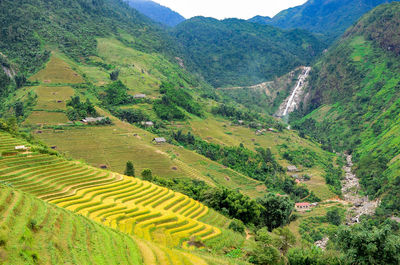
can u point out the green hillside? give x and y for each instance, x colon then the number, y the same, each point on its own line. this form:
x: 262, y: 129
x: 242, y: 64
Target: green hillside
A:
x: 235, y: 52
x: 355, y: 99
x: 331, y: 18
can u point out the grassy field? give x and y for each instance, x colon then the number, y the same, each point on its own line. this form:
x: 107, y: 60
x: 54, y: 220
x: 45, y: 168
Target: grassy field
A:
x: 57, y: 71
x: 53, y: 97
x: 39, y: 118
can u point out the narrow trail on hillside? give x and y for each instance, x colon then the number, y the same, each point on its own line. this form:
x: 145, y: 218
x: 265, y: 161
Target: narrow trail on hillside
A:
x: 289, y: 105
x: 361, y: 205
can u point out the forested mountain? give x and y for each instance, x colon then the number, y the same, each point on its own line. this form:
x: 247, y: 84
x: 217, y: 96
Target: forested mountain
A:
x: 30, y: 28
x: 237, y: 52
x: 157, y: 12
x: 329, y: 17
x: 355, y: 99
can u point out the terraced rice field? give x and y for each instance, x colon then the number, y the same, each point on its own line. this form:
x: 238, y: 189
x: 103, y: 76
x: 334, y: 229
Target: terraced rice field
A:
x: 130, y: 205
x: 35, y: 232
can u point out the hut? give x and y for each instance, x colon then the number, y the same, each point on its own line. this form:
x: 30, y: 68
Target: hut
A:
x: 93, y: 120
x: 303, y: 205
x: 139, y: 96
x: 292, y: 168
x: 159, y: 140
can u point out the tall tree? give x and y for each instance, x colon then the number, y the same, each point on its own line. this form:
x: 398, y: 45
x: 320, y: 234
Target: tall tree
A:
x: 130, y: 169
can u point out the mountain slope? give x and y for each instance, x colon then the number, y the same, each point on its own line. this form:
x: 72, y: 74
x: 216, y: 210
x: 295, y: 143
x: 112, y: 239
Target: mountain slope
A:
x: 157, y: 12
x: 30, y: 28
x: 354, y: 101
x: 236, y: 52
x: 328, y: 17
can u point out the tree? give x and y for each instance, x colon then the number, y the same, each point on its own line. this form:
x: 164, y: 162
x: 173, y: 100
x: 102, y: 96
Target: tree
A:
x: 19, y: 109
x: 265, y: 253
x: 130, y: 169
x: 283, y: 239
x: 237, y: 226
x: 277, y: 210
x: 147, y: 174
x: 366, y: 244
x: 114, y: 75
x: 333, y: 217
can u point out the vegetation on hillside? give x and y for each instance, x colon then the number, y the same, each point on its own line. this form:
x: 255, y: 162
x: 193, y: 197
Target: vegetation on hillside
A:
x: 30, y: 27
x: 236, y: 52
x: 330, y: 18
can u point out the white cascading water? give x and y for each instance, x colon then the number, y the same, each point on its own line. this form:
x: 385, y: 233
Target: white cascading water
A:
x: 299, y: 85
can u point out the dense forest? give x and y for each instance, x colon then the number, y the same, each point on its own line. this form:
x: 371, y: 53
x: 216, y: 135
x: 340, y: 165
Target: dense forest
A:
x: 236, y: 52
x: 330, y: 18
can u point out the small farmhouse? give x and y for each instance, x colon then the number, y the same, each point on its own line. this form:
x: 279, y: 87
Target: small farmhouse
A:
x: 91, y: 119
x: 21, y: 148
x: 303, y: 205
x: 147, y: 123
x: 139, y: 96
x: 159, y: 140
x: 292, y: 168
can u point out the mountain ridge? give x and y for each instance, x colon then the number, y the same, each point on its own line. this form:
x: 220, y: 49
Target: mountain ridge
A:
x: 157, y: 12
x: 326, y: 17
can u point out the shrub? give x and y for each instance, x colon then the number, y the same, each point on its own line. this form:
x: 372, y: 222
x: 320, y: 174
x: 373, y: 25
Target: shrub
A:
x: 237, y: 226
x: 333, y: 217
x: 147, y: 174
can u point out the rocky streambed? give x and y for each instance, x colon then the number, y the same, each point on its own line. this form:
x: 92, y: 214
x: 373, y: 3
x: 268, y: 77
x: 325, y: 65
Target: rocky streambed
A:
x: 351, y: 193
x: 360, y: 205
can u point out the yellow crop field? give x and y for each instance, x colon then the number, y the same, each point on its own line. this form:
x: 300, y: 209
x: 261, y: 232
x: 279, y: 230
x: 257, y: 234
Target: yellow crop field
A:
x: 128, y: 204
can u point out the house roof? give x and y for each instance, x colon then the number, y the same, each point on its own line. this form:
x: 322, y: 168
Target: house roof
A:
x: 139, y: 96
x: 91, y: 119
x: 300, y: 204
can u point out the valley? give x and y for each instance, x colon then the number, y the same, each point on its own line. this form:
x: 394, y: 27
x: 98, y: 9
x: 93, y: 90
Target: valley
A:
x: 132, y: 135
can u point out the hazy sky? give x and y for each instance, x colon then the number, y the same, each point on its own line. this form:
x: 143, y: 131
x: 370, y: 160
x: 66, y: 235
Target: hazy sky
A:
x: 229, y: 8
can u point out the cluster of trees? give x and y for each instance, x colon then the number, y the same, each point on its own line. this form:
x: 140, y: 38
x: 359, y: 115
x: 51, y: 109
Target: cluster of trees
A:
x: 77, y: 110
x: 256, y: 165
x: 167, y: 108
x: 116, y: 93
x: 369, y: 243
x: 301, y: 156
x: 253, y: 119
x: 130, y: 115
x: 271, y: 211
